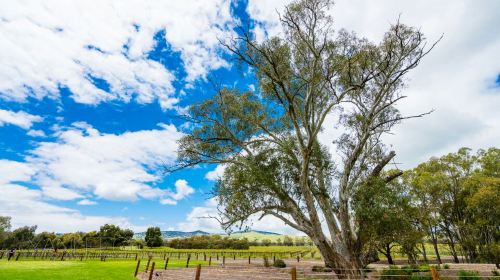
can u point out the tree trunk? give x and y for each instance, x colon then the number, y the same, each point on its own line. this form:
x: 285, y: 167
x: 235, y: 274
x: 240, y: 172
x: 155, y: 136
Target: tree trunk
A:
x: 451, y: 244
x: 453, y: 252
x: 344, y: 265
x: 424, y: 253
x: 389, y: 258
x: 387, y: 254
x: 435, y: 245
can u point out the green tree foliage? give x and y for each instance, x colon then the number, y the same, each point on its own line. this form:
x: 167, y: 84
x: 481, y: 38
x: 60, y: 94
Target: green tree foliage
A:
x: 21, y: 238
x: 268, y: 138
x: 111, y: 235
x: 153, y: 237
x: 4, y: 228
x: 458, y: 196
x: 387, y: 219
x: 265, y: 242
x: 208, y: 242
x: 45, y: 240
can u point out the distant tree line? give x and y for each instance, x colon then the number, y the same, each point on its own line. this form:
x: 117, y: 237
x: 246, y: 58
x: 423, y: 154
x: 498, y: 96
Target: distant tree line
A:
x: 208, y: 242
x: 26, y: 238
x: 283, y: 241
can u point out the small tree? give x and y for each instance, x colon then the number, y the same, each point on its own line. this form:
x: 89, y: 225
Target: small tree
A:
x: 4, y: 228
x: 153, y: 237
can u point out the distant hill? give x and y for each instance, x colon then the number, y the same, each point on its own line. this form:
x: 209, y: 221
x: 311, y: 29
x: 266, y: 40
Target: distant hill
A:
x: 257, y: 235
x: 169, y: 234
x: 250, y: 235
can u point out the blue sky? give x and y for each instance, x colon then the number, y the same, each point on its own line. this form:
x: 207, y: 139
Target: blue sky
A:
x: 88, y: 100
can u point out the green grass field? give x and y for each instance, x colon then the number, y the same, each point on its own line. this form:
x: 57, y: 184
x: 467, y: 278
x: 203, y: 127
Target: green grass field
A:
x: 27, y: 268
x: 77, y: 270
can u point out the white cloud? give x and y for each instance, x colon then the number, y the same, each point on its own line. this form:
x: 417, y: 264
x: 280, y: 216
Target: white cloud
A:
x: 36, y: 133
x: 46, y: 45
x: 168, y: 201
x: 86, y: 202
x: 20, y: 118
x: 27, y: 207
x: 13, y: 171
x: 457, y: 78
x: 215, y: 174
x: 115, y: 167
x: 182, y: 190
x: 200, y: 218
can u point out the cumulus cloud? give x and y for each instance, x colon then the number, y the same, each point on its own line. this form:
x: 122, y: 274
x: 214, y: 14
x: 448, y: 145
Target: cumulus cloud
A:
x: 182, y: 190
x: 13, y: 171
x: 215, y: 174
x: 457, y: 78
x: 111, y: 166
x: 20, y: 118
x: 86, y: 202
x: 27, y: 207
x: 36, y: 133
x: 99, y: 49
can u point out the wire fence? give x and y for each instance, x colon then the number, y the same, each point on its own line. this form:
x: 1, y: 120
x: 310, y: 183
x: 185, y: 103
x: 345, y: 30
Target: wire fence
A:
x: 237, y: 272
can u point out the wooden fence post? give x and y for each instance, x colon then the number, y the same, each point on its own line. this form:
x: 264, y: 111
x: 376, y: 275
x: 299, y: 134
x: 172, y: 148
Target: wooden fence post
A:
x: 137, y: 268
x: 198, y: 272
x: 434, y: 273
x: 152, y: 270
x: 147, y: 265
x: 298, y: 258
x: 166, y: 263
x: 187, y: 262
x: 249, y: 259
x: 293, y: 272
x: 210, y: 261
x: 223, y: 260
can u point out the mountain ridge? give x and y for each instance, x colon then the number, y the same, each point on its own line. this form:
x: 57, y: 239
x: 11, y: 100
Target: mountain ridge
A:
x: 170, y: 234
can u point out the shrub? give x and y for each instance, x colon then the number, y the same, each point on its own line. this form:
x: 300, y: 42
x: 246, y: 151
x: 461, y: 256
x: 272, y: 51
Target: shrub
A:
x: 467, y: 275
x: 396, y: 273
x: 279, y: 263
x: 495, y: 272
x: 446, y: 266
x: 409, y: 272
x: 317, y: 268
x: 266, y: 262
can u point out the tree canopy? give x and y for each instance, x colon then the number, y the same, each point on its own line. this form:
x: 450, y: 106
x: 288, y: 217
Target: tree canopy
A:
x: 268, y: 139
x: 153, y: 237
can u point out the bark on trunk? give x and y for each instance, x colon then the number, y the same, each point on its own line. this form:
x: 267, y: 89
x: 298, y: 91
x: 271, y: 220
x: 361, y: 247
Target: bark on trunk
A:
x: 435, y: 245
x: 387, y: 254
x: 451, y: 244
x: 344, y: 265
x: 453, y: 252
x: 424, y: 253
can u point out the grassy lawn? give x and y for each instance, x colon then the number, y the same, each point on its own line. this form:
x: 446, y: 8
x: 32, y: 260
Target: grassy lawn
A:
x: 76, y: 270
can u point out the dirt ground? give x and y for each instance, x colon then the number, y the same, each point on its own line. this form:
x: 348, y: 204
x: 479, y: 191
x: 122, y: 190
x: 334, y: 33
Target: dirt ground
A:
x: 241, y: 270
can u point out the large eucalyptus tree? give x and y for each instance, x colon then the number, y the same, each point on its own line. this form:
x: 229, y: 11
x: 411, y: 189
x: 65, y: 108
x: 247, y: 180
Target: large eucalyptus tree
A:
x: 268, y: 139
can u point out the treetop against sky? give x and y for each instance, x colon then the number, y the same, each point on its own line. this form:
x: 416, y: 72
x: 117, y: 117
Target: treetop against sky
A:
x: 88, y: 100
